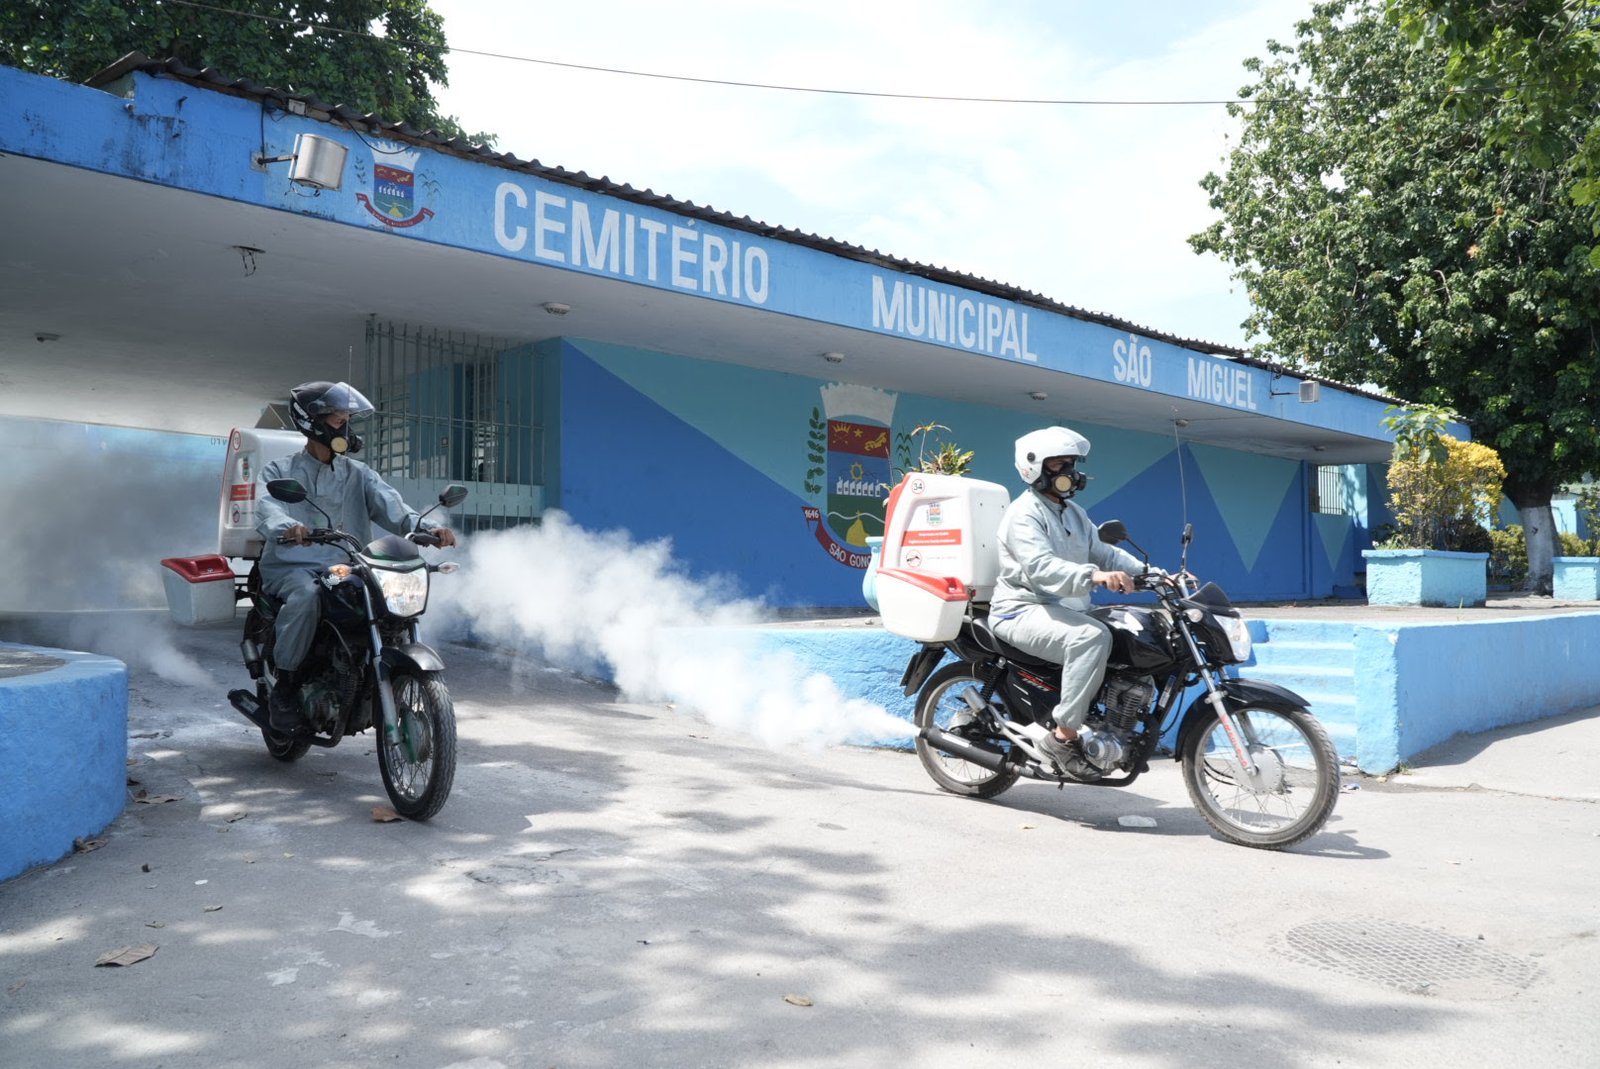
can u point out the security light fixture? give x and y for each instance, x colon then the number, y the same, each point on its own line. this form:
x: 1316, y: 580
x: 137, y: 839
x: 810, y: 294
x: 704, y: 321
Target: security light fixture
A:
x: 833, y: 358
x: 1038, y: 395
x: 317, y: 162
x: 556, y: 308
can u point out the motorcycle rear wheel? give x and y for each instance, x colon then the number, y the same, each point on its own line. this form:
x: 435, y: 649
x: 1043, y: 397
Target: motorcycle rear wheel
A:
x: 937, y: 704
x: 285, y: 748
x: 1290, y: 795
x: 419, y: 761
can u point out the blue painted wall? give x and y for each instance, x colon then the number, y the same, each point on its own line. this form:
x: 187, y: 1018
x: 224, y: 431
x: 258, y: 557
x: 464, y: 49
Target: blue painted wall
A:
x: 64, y: 746
x: 715, y: 458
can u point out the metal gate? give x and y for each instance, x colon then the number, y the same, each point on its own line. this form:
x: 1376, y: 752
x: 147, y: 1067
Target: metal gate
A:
x: 457, y: 408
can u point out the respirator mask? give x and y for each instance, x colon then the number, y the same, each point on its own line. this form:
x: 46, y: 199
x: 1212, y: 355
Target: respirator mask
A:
x: 1061, y: 477
x: 341, y: 440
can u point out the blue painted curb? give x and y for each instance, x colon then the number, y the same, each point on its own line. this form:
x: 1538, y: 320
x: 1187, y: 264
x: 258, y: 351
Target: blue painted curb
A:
x: 64, y: 746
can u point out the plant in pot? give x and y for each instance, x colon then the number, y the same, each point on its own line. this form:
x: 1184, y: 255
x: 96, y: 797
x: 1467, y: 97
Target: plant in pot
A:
x: 1443, y: 492
x: 1576, y: 572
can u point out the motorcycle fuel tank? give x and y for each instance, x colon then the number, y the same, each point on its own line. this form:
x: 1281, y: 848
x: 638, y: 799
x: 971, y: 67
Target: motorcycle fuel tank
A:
x: 1140, y: 638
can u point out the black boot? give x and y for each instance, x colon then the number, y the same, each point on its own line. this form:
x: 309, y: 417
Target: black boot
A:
x: 283, y: 708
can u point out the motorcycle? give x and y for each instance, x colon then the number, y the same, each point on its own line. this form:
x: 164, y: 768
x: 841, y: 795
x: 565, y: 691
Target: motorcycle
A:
x: 1257, y: 764
x: 365, y: 660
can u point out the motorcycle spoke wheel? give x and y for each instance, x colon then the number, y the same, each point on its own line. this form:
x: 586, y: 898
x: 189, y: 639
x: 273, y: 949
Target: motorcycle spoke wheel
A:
x: 418, y: 759
x: 282, y: 747
x: 1285, y: 798
x: 939, y: 703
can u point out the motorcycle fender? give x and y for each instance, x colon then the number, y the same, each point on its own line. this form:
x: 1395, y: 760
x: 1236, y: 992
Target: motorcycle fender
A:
x: 921, y: 666
x: 1236, y: 694
x: 413, y: 656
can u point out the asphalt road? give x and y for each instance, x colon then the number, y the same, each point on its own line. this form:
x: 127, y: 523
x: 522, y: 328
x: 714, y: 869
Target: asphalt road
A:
x: 621, y: 885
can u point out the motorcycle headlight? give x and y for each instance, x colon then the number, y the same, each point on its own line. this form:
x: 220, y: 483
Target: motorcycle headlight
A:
x: 1238, y: 633
x: 404, y: 593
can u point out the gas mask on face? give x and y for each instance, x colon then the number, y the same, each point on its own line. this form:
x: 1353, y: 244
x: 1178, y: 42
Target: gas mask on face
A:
x: 341, y: 440
x: 1060, y: 476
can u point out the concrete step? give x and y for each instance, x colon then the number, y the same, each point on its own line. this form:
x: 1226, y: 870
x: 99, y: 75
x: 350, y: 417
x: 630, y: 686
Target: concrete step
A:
x: 1290, y: 651
x: 1268, y: 630
x: 1305, y: 677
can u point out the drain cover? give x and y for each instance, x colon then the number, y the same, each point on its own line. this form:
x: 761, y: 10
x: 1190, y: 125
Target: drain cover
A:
x: 1418, y: 960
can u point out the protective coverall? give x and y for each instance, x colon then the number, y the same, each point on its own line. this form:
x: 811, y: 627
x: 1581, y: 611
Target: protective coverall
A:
x: 1049, y: 553
x: 355, y: 497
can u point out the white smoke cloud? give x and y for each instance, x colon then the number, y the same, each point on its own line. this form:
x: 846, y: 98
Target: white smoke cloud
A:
x: 600, y: 602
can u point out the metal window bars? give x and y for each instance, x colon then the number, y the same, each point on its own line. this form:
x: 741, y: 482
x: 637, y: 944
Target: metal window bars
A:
x: 457, y: 408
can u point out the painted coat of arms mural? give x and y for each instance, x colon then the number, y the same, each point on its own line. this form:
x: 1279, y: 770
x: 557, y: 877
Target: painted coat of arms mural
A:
x: 394, y: 179
x: 849, y: 474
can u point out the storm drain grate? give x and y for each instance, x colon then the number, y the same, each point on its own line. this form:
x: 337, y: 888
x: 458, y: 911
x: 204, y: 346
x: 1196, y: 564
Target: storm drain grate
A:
x: 1407, y: 957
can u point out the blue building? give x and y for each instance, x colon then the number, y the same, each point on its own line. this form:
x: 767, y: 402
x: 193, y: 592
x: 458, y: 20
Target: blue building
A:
x: 181, y: 249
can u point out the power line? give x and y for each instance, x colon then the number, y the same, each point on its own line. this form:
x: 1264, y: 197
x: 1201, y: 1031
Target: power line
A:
x: 317, y: 28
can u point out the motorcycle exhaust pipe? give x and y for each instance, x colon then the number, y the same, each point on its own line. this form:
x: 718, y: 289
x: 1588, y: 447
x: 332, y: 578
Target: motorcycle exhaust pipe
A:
x: 958, y: 747
x: 250, y: 706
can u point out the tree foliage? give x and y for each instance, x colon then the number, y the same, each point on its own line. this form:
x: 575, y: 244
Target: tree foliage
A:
x: 1386, y: 240
x: 378, y: 56
x: 1532, y: 67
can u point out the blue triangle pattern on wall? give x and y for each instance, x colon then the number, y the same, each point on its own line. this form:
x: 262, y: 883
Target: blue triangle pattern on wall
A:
x: 628, y: 463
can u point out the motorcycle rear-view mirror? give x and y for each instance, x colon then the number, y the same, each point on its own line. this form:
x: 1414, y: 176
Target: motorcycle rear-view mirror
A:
x: 288, y: 491
x: 1113, y: 531
x: 453, y: 495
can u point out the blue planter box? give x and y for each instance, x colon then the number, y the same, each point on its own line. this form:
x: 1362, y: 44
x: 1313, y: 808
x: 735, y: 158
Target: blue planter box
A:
x: 1426, y: 577
x: 1577, y: 578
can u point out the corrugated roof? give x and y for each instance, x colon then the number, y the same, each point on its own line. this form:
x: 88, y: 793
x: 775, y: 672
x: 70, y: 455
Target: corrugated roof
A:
x: 377, y: 125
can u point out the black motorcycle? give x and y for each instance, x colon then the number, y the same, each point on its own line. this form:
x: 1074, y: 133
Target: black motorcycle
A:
x: 1259, y: 767
x: 365, y: 661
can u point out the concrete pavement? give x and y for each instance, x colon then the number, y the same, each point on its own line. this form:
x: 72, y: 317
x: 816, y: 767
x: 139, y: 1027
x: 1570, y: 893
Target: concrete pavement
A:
x: 619, y: 884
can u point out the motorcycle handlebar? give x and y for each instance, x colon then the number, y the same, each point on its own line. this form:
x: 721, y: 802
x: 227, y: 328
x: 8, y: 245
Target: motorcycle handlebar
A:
x: 424, y: 538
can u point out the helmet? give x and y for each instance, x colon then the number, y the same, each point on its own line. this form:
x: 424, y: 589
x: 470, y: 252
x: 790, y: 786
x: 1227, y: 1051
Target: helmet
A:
x: 310, y: 403
x: 1035, y: 447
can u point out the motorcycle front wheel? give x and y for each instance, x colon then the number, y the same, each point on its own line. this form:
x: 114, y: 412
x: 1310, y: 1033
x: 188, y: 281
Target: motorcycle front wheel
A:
x: 418, y: 759
x: 1289, y: 793
x: 939, y: 703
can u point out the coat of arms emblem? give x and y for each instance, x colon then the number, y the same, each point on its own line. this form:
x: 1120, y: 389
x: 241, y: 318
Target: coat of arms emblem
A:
x: 848, y: 450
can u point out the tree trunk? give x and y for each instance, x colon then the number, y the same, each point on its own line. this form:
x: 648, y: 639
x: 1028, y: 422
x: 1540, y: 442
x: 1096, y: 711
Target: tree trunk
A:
x: 1532, y: 498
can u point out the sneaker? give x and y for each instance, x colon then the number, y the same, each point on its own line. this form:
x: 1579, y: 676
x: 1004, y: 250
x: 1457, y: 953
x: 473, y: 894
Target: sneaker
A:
x: 1068, y: 757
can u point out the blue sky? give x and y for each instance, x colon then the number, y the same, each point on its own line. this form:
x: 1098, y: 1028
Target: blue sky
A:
x: 1090, y: 206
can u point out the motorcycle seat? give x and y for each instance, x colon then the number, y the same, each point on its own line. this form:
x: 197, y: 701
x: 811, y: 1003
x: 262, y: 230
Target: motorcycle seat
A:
x: 985, y: 636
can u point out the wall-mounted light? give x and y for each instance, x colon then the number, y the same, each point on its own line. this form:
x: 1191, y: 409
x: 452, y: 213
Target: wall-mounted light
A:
x: 833, y: 358
x: 1309, y: 393
x: 317, y: 162
x: 556, y: 308
x: 1038, y: 395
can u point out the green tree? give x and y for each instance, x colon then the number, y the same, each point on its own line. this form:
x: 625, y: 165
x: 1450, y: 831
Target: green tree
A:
x: 1532, y: 67
x: 378, y: 56
x: 1386, y: 241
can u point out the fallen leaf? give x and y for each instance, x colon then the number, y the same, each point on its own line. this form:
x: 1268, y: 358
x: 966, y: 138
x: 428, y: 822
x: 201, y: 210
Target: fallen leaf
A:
x: 155, y: 924
x: 132, y: 782
x: 237, y: 817
x: 128, y: 955
x: 145, y: 867
x: 1027, y: 827
x: 212, y: 909
x: 83, y: 846
x: 384, y: 815
x: 797, y: 1000
x: 154, y: 799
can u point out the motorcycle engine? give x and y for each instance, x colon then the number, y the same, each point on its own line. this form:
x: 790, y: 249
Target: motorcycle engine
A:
x: 1126, y: 701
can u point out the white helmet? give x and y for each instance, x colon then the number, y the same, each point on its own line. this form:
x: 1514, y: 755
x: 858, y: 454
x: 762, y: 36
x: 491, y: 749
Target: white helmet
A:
x: 1035, y: 447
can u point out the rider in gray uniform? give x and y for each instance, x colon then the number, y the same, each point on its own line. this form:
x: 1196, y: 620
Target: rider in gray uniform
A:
x: 354, y: 497
x: 1051, y: 559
